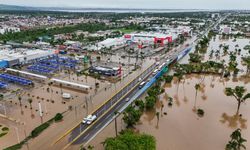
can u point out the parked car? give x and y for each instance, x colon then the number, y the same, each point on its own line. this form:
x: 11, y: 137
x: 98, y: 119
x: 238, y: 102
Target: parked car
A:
x: 66, y: 95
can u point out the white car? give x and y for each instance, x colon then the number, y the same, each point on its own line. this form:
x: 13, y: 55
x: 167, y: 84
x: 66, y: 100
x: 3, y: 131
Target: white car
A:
x: 89, y: 119
x: 127, y: 99
x: 66, y: 95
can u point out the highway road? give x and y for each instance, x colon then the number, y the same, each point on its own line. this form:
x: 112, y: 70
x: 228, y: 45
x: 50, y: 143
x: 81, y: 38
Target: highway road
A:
x: 105, y: 113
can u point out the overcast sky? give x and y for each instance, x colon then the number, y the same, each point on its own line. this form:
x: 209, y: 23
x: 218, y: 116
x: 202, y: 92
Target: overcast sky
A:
x: 164, y: 4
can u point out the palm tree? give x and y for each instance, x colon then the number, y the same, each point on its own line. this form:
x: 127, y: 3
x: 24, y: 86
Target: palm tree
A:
x: 162, y: 105
x: 197, y: 87
x: 246, y: 61
x: 238, y: 94
x: 179, y: 76
x: 20, y: 100
x: 158, y: 117
x: 30, y: 102
x: 236, y: 142
x: 91, y: 147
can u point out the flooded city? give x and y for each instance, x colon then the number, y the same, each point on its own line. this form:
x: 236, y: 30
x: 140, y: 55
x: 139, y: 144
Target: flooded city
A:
x: 133, y: 80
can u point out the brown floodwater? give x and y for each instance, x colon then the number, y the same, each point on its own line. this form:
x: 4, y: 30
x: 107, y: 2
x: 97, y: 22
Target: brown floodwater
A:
x: 180, y: 128
x: 183, y: 129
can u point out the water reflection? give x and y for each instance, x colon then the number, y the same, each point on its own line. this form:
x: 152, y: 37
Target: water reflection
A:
x: 234, y: 121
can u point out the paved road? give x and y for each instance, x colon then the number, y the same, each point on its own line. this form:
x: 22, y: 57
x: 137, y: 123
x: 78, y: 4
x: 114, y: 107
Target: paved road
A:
x: 106, y: 112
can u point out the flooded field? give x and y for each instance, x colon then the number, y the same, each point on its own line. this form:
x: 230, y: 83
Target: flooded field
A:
x: 183, y: 129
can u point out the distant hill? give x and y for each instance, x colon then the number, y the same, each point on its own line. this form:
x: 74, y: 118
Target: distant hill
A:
x: 16, y: 8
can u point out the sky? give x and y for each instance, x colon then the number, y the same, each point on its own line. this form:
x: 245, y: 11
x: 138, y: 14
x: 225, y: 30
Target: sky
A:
x: 152, y: 4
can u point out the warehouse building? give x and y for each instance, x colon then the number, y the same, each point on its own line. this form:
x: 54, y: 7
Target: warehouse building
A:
x: 9, y: 58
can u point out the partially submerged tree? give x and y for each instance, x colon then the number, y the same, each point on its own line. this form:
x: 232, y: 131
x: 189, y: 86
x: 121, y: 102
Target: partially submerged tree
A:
x: 246, y: 61
x: 238, y: 93
x: 236, y: 142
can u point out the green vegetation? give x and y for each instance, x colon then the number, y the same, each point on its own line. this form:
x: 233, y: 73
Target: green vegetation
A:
x: 236, y: 142
x: 124, y: 30
x: 128, y: 140
x: 202, y: 45
x: 194, y: 58
x: 170, y: 101
x: 39, y: 129
x: 168, y: 78
x: 3, y: 134
x: 209, y: 67
x: 153, y: 93
x: 246, y: 61
x: 200, y: 112
x: 238, y: 94
x: 247, y: 47
x: 58, y: 117
x: 31, y: 35
x: 5, y: 129
x: 131, y: 116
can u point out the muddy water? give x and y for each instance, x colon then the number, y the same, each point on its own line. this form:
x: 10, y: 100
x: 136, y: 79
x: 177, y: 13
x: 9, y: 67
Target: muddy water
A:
x: 183, y: 129
x: 180, y: 128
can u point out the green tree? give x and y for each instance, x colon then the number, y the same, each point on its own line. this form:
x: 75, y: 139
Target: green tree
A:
x: 58, y: 117
x: 236, y: 142
x: 238, y: 93
x: 140, y: 104
x: 246, y: 61
x: 131, y: 116
x: 168, y: 78
x: 150, y: 102
x: 128, y: 140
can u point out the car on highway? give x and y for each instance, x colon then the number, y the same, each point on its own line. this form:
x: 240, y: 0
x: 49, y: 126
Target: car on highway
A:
x: 127, y: 99
x: 89, y: 119
x: 142, y: 84
x: 155, y: 71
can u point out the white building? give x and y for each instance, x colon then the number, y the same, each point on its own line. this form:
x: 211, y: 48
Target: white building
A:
x: 109, y: 43
x: 151, y: 37
x: 6, y: 29
x: 23, y: 56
